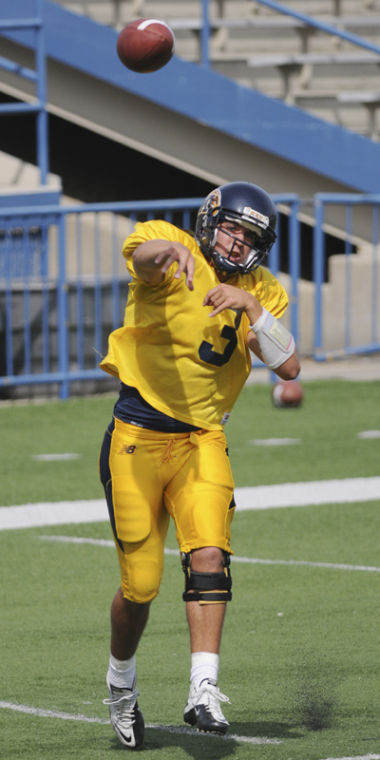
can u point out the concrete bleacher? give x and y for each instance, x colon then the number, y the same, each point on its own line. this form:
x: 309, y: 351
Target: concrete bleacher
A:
x: 276, y: 54
x: 87, y: 85
x: 17, y: 176
x: 20, y: 184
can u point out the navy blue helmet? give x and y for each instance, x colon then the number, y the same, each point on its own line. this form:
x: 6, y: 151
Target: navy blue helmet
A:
x: 245, y: 204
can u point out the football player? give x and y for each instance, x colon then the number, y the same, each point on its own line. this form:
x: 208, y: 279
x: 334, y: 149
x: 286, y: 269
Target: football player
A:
x: 197, y: 305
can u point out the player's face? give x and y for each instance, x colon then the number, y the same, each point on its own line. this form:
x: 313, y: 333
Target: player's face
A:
x: 234, y: 241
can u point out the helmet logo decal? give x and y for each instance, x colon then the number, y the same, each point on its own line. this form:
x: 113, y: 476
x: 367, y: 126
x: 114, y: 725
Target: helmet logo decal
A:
x: 213, y: 202
x: 247, y: 211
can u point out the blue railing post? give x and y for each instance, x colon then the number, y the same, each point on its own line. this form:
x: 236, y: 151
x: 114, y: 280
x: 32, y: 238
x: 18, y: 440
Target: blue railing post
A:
x: 294, y: 266
x: 375, y: 265
x: 8, y: 298
x: 28, y: 271
x: 42, y: 118
x: 274, y: 255
x: 205, y: 34
x: 115, y: 275
x: 318, y: 269
x: 348, y: 278
x: 97, y: 293
x: 62, y: 311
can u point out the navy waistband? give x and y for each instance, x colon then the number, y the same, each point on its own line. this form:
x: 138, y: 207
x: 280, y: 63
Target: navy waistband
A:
x: 131, y: 407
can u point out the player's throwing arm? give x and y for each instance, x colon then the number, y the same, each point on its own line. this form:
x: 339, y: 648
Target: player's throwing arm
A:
x: 153, y: 258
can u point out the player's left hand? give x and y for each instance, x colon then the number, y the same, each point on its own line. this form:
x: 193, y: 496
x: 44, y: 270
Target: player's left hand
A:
x: 226, y: 296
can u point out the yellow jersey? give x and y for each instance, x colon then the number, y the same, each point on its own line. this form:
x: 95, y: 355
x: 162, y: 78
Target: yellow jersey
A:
x: 184, y: 363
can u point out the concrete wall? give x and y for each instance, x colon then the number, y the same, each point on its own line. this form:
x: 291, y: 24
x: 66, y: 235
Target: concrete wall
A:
x: 350, y: 313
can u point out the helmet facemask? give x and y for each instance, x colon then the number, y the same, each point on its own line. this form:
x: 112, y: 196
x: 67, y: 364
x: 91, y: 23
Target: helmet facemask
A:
x: 251, y: 209
x: 255, y: 251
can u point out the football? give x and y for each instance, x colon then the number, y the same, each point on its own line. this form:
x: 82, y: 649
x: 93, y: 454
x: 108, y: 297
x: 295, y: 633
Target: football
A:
x: 145, y: 45
x: 287, y: 393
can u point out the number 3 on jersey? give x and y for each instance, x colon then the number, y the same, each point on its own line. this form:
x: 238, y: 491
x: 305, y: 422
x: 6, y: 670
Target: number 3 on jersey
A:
x: 207, y: 353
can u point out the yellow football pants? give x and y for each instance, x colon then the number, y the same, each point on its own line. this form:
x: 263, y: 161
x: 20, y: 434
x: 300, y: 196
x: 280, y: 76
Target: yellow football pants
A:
x: 154, y: 475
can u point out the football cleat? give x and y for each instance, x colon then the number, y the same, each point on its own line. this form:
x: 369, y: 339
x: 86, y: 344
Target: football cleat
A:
x: 126, y: 718
x: 203, y: 708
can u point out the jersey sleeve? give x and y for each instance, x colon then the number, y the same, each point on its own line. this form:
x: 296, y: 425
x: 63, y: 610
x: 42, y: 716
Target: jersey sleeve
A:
x: 157, y: 229
x: 270, y: 293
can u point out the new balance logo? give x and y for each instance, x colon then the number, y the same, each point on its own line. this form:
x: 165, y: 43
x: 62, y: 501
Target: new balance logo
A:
x: 129, y: 449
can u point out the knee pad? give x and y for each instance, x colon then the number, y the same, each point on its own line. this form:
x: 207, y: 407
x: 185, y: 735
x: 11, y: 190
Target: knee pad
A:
x: 206, y: 588
x: 140, y: 578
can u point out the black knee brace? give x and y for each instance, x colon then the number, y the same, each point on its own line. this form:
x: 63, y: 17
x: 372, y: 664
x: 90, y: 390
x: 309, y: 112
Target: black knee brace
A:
x: 206, y: 588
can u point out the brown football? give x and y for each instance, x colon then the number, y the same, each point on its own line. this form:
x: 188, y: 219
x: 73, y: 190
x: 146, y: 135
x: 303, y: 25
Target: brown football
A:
x: 287, y: 393
x: 145, y: 45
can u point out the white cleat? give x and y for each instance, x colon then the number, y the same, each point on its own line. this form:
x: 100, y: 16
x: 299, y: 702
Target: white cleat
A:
x: 126, y: 718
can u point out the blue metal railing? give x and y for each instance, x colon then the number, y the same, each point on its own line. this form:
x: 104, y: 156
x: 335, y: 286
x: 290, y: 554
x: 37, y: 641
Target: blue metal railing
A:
x: 370, y: 304
x: 63, y: 283
x: 294, y: 248
x: 36, y: 75
x: 55, y: 318
x: 61, y: 324
x: 279, y: 8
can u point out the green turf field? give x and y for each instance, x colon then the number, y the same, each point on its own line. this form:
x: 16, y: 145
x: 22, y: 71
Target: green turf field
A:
x: 327, y: 424
x: 300, y: 656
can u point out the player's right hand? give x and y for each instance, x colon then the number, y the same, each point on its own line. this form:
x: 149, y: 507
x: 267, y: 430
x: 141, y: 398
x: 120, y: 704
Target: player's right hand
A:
x: 183, y: 256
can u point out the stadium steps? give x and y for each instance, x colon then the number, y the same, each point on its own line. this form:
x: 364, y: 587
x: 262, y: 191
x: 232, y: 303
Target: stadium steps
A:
x: 19, y: 176
x: 244, y: 36
x: 197, y: 133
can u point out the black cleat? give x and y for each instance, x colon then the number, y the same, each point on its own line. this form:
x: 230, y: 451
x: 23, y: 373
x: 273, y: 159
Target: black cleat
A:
x: 203, y: 708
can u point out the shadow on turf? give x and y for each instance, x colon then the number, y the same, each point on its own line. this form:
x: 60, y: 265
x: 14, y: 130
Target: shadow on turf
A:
x: 270, y: 729
x: 199, y: 745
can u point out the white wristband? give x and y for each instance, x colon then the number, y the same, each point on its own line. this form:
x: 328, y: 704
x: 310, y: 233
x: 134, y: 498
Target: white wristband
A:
x: 275, y: 341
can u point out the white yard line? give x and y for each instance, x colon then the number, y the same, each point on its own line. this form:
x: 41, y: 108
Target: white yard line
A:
x: 355, y: 757
x: 309, y: 493
x: 259, y: 497
x: 38, y: 712
x: 274, y: 441
x: 246, y: 560
x: 305, y: 563
x: 80, y: 540
x: 53, y: 513
x: 54, y: 457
